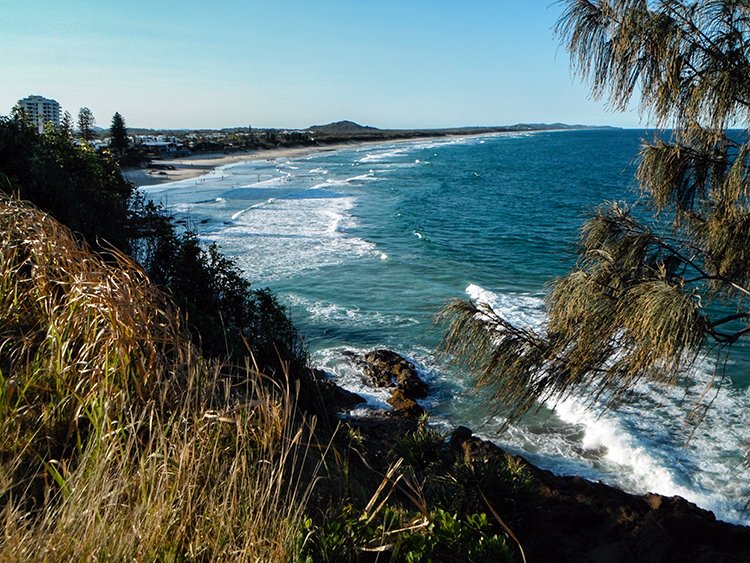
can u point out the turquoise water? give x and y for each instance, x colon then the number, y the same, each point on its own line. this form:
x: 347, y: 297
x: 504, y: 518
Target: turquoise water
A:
x: 366, y: 244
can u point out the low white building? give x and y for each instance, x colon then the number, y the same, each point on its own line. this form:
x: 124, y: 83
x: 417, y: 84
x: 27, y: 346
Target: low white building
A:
x: 41, y: 110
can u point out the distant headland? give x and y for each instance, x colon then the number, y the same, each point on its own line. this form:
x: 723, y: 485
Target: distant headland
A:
x: 350, y: 131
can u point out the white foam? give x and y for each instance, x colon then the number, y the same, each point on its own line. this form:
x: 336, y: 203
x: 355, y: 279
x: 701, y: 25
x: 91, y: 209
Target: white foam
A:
x: 640, y: 469
x: 241, y: 212
x: 368, y: 177
x: 648, y: 447
x: 521, y: 309
x: 386, y: 154
x: 280, y: 240
x: 645, y: 445
x: 328, y: 313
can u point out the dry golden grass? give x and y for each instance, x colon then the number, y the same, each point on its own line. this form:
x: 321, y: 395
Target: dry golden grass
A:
x: 117, y: 441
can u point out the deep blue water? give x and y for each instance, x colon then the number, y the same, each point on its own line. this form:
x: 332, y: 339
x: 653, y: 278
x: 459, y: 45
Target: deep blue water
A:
x: 365, y: 244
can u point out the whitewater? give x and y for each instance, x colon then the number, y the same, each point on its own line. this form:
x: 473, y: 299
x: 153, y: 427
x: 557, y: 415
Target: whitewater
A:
x: 365, y: 244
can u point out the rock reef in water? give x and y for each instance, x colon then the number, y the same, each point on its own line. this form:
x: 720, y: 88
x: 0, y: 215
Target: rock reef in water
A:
x: 386, y: 368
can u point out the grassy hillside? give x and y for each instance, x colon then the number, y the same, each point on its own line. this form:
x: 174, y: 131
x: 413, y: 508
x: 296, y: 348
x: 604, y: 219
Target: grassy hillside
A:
x: 118, y: 440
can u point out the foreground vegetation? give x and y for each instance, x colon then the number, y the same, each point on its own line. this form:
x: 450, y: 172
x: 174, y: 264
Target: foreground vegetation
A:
x: 121, y: 441
x: 118, y: 440
x: 155, y: 407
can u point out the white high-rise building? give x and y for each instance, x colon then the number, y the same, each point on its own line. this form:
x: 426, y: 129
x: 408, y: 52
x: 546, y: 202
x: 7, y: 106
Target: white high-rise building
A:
x: 41, y: 110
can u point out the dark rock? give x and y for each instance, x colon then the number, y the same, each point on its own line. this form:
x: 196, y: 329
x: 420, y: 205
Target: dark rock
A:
x: 405, y: 405
x: 573, y: 519
x: 318, y: 374
x: 410, y: 383
x: 386, y: 369
x: 381, y: 431
x: 459, y: 436
x: 344, y: 398
x: 570, y: 519
x: 338, y: 397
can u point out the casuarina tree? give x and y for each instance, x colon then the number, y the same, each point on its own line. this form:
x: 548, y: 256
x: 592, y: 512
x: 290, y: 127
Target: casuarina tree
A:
x: 660, y: 282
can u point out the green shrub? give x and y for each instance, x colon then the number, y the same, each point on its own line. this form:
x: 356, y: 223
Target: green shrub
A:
x: 411, y: 538
x: 449, y: 538
x: 423, y: 449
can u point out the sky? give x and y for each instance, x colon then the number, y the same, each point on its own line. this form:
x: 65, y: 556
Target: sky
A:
x: 296, y: 63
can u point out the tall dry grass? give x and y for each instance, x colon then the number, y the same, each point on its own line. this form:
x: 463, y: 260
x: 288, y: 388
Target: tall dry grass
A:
x: 117, y: 441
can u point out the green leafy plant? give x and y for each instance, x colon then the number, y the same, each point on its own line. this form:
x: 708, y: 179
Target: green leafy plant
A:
x: 399, y: 536
x: 422, y: 449
x: 449, y: 538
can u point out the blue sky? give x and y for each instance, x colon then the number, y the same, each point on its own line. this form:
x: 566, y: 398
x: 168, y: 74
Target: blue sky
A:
x: 295, y: 63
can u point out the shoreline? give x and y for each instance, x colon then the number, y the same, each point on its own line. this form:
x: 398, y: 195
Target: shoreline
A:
x: 196, y: 165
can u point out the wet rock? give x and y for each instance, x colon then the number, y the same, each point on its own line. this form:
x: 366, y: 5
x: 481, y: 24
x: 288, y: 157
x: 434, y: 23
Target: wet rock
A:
x: 405, y: 405
x: 318, y: 374
x: 459, y: 436
x: 344, y: 398
x: 471, y: 448
x: 572, y: 519
x: 387, y: 369
x: 337, y: 396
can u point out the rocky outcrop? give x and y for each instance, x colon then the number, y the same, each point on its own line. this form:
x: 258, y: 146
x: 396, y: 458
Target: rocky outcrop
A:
x: 336, y: 396
x: 404, y: 405
x: 388, y: 369
x: 572, y: 519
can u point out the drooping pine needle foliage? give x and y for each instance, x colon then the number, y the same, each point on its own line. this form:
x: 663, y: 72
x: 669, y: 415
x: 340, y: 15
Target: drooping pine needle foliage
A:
x: 653, y: 287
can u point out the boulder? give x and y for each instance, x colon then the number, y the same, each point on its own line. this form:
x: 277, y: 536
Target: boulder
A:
x: 340, y: 398
x: 405, y: 405
x: 388, y: 369
x: 343, y: 398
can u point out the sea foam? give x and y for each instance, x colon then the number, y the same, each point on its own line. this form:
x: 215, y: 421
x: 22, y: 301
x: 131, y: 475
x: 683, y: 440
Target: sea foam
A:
x: 646, y: 444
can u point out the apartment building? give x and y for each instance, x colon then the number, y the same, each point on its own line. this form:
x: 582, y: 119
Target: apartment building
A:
x: 41, y: 110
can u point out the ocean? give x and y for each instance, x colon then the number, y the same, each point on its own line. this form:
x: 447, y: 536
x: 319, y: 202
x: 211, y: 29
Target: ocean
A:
x: 365, y: 244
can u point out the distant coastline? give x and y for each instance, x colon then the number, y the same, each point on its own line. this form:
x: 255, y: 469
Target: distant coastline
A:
x: 342, y: 134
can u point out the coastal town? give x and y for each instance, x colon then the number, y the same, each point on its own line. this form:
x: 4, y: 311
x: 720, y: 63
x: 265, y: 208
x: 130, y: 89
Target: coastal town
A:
x: 152, y: 156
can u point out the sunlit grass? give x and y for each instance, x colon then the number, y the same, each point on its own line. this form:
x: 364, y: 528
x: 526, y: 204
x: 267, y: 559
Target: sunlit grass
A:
x: 117, y: 440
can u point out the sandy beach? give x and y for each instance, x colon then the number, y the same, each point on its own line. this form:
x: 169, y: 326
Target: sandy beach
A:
x: 196, y: 165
